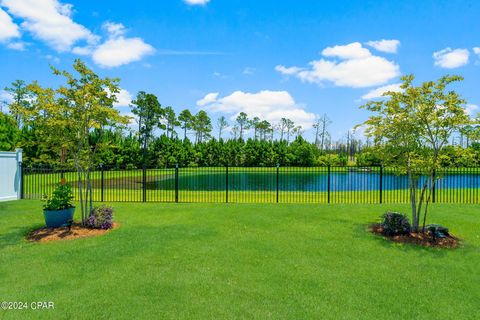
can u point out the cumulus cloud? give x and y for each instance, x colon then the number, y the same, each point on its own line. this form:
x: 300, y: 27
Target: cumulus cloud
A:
x: 354, y: 66
x: 471, y: 110
x: 269, y: 105
x: 350, y: 51
x: 50, y: 21
x: 196, y: 2
x: 388, y: 46
x: 118, y: 49
x: 8, y: 29
x: 124, y: 98
x: 288, y: 71
x: 476, y: 50
x: 209, y: 98
x: 451, y: 58
x: 378, y: 92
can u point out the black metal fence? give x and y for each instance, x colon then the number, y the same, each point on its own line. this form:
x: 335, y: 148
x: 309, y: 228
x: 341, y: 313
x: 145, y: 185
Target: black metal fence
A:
x: 256, y: 184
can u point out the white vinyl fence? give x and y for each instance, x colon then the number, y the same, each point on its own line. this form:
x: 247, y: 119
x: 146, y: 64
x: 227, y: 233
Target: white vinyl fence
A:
x: 10, y: 175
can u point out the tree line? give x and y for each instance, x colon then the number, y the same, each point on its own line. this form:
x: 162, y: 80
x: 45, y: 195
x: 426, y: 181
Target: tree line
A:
x: 158, y: 137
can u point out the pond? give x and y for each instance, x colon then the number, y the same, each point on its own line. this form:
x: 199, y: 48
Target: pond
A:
x: 304, y: 181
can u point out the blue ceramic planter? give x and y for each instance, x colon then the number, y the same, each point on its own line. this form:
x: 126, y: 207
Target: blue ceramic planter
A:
x: 58, y: 218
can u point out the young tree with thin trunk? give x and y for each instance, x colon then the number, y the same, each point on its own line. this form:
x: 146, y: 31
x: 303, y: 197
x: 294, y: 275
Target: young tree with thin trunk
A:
x: 243, y: 123
x: 254, y: 123
x: 149, y: 112
x: 321, y: 131
x: 186, y: 121
x: 202, y: 126
x: 171, y: 121
x: 222, y: 124
x: 69, y: 114
x: 290, y: 125
x: 20, y: 100
x: 410, y: 130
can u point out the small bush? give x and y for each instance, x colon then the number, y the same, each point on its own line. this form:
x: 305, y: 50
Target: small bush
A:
x: 394, y: 223
x: 61, y: 198
x: 100, y: 218
x: 437, y: 231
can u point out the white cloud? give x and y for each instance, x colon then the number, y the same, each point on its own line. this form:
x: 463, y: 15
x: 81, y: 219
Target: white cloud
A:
x: 209, y: 98
x: 196, y: 2
x: 388, y: 46
x: 350, y: 51
x: 449, y: 59
x: 124, y: 98
x: 17, y: 45
x: 378, y: 92
x: 269, y: 105
x: 476, y: 50
x: 471, y: 110
x: 356, y: 68
x: 5, y: 96
x: 288, y: 71
x: 8, y: 29
x: 119, y: 50
x: 50, y: 21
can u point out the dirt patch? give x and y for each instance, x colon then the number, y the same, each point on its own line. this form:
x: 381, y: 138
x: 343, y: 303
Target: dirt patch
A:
x: 420, y: 238
x: 65, y: 233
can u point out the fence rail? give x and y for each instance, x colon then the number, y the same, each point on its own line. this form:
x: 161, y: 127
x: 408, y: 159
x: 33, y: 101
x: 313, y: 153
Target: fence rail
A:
x: 256, y: 184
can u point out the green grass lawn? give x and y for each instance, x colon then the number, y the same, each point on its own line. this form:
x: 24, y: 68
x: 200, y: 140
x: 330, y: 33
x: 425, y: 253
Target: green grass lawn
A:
x: 224, y: 261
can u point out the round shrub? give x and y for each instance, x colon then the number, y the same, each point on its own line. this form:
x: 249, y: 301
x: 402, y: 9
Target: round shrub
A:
x: 100, y: 218
x: 394, y: 223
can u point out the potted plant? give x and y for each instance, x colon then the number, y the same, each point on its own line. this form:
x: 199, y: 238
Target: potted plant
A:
x: 58, y: 210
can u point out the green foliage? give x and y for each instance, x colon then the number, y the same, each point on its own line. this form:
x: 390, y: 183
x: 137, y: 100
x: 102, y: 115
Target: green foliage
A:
x: 437, y: 231
x: 368, y: 158
x: 394, y: 223
x: 331, y: 160
x: 61, y: 198
x: 411, y: 128
x: 149, y: 112
x: 9, y: 133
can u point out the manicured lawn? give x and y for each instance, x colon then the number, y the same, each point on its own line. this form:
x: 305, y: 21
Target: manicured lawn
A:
x: 263, y: 261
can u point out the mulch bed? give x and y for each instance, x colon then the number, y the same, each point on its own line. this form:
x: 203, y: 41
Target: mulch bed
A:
x: 65, y: 233
x: 420, y: 238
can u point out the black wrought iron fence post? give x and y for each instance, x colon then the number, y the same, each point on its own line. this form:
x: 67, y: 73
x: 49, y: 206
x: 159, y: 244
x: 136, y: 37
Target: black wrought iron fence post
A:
x: 144, y: 183
x: 22, y: 180
x: 278, y: 176
x: 226, y: 183
x: 101, y: 182
x: 328, y: 184
x: 176, y: 183
x: 381, y: 183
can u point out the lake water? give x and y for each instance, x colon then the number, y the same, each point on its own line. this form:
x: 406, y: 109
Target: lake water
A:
x: 305, y: 181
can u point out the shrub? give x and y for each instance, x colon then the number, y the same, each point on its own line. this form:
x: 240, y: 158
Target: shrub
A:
x: 394, y: 223
x: 437, y: 231
x: 100, y: 218
x: 61, y: 198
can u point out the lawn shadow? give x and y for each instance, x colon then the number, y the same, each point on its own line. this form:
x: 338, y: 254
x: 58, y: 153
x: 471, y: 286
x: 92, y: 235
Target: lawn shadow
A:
x: 15, y: 236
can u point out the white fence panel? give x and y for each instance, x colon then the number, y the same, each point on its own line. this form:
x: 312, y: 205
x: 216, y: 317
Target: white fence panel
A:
x: 10, y: 175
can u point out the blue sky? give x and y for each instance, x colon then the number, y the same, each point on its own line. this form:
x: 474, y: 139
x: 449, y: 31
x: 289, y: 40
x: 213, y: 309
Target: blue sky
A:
x: 253, y: 56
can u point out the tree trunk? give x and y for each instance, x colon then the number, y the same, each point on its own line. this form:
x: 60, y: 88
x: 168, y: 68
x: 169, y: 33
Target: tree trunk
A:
x: 413, y: 200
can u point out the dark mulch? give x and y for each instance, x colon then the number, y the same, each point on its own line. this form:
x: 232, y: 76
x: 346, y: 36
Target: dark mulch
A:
x: 420, y: 238
x: 65, y: 233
